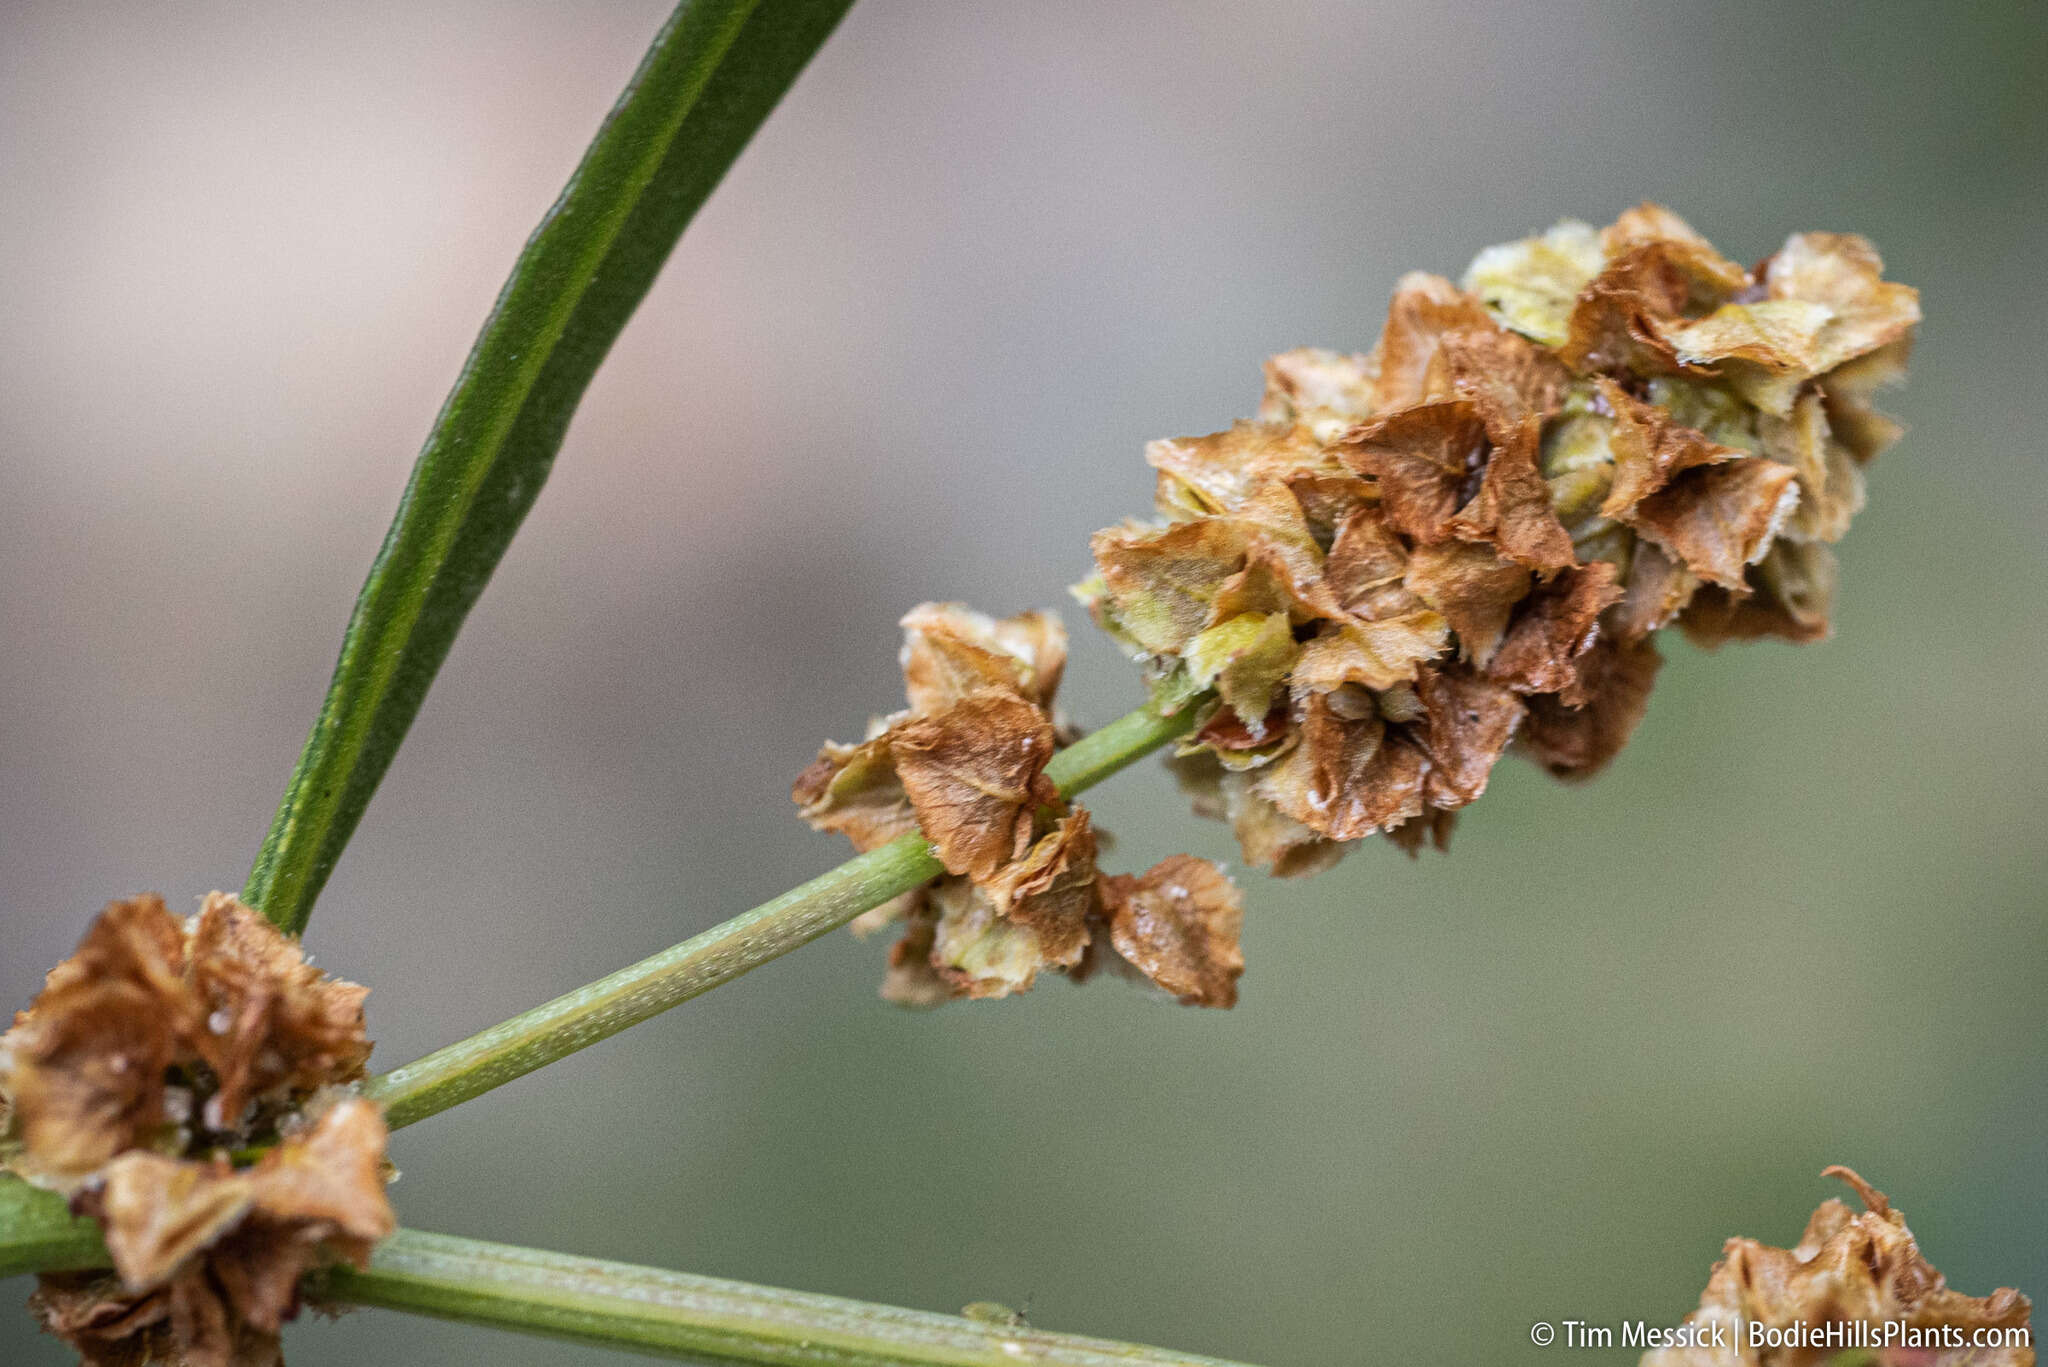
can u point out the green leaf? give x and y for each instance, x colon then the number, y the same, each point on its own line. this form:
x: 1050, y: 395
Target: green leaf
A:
x: 706, y: 84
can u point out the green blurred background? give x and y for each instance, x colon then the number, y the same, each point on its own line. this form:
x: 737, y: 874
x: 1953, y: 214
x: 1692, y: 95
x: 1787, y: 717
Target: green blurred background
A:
x: 912, y: 350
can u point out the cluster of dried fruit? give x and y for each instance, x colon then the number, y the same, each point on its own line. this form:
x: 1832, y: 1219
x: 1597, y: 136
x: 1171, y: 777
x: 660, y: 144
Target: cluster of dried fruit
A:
x: 1468, y: 536
x: 1847, y: 1270
x: 965, y: 763
x: 151, y: 1055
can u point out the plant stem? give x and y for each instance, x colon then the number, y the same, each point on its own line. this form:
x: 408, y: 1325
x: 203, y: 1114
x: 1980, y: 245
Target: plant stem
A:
x: 601, y: 1009
x: 581, y: 1018
x: 712, y: 75
x: 697, y: 1319
x: 38, y: 1232
x: 612, y: 1305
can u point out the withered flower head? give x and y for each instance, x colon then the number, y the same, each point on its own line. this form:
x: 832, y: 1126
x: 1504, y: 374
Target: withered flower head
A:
x: 1466, y: 537
x: 1849, y: 1270
x: 150, y: 1055
x: 965, y: 764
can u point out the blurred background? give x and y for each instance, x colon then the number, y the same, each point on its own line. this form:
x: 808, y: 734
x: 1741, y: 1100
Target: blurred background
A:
x: 912, y: 350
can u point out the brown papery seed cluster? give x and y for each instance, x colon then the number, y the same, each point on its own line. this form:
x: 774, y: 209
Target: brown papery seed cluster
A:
x: 155, y: 1053
x: 1855, y: 1288
x: 965, y: 763
x: 1467, y: 537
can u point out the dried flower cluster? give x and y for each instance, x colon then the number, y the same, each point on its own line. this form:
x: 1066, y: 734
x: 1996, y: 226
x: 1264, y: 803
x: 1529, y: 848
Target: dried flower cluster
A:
x: 1862, y: 1274
x: 151, y: 1055
x: 965, y: 763
x: 1469, y: 535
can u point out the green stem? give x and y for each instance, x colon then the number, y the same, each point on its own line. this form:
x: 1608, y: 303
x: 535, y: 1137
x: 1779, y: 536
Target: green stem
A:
x: 611, y: 1305
x: 697, y: 1319
x: 38, y: 1232
x: 581, y: 1018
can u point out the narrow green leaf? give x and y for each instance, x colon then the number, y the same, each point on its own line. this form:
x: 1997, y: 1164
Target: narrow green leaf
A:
x: 713, y: 74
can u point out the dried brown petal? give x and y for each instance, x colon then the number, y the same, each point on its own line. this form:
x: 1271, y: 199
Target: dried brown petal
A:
x: 1246, y: 659
x: 328, y: 1179
x: 1326, y: 391
x: 1826, y: 304
x: 1349, y: 777
x: 1849, y: 388
x: 854, y: 790
x: 912, y: 980
x: 1051, y: 891
x: 85, y: 1075
x: 1844, y: 272
x: 104, y: 1324
x: 1375, y: 654
x: 1830, y: 483
x: 319, y: 1199
x: 86, y: 1066
x: 1178, y: 923
x: 950, y: 650
x: 978, y: 951
x: 1848, y: 1269
x: 1423, y: 458
x: 1433, y: 827
x: 1650, y: 449
x: 1366, y: 566
x: 1424, y: 308
x: 1554, y: 629
x: 1269, y: 838
x: 1577, y: 462
x: 1473, y: 587
x: 1505, y: 377
x: 1614, y: 679
x: 210, y: 1258
x: 1470, y: 722
x: 1514, y: 507
x: 288, y: 1025
x: 1217, y: 473
x: 1161, y: 583
x: 1792, y: 594
x: 1328, y: 500
x: 159, y: 1212
x: 1649, y: 222
x: 1275, y: 520
x: 1273, y: 580
x: 83, y: 1068
x: 1531, y: 285
x: 1658, y: 589
x: 1620, y: 318
x: 1717, y: 519
x: 975, y: 777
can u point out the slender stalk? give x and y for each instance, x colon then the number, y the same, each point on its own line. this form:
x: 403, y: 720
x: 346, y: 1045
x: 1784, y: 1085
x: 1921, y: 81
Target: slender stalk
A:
x: 601, y: 1009
x: 697, y: 1319
x: 38, y: 1232
x: 612, y: 1305
x: 581, y: 1018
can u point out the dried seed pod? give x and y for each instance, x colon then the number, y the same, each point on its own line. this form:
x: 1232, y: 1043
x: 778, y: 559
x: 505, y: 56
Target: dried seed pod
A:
x: 153, y: 1051
x: 1472, y: 531
x: 1854, y: 1283
x: 965, y: 764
